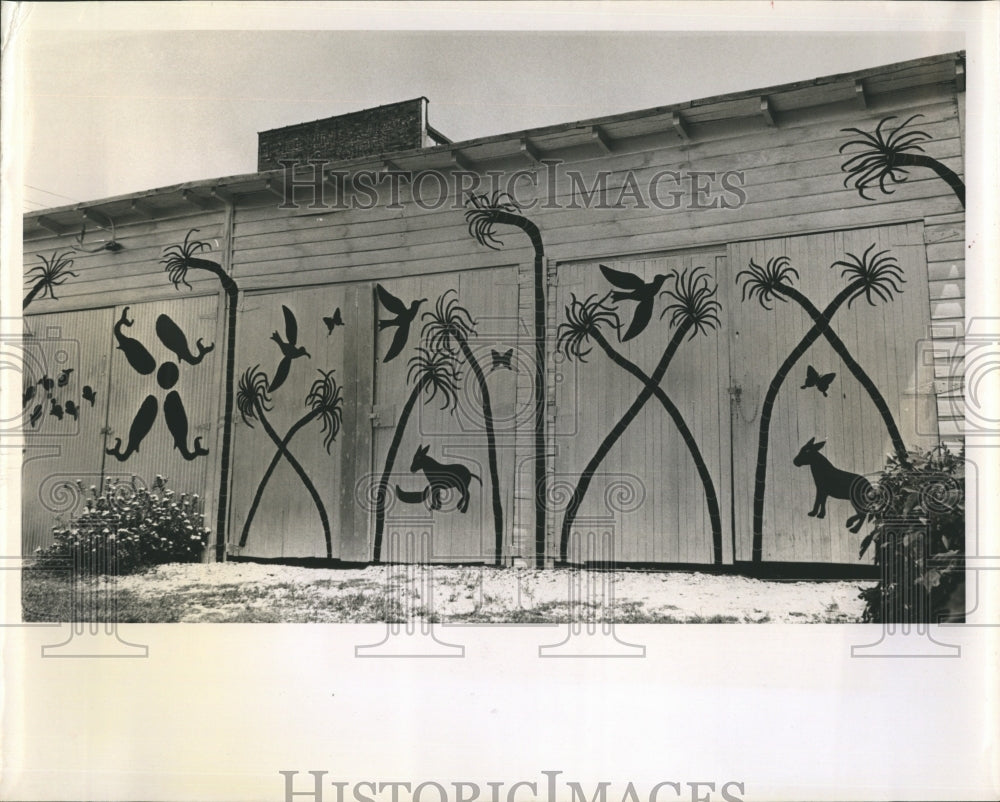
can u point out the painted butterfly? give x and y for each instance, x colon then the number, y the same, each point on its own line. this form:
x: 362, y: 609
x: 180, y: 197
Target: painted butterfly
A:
x: 820, y: 382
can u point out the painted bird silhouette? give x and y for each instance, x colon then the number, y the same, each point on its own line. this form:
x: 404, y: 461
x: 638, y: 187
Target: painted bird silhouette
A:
x: 404, y: 316
x: 29, y: 393
x: 635, y: 289
x: 64, y: 377
x: 333, y: 322
x: 501, y: 360
x: 820, y: 381
x: 47, y: 383
x: 56, y: 409
x: 71, y: 409
x: 36, y: 413
x: 289, y: 349
x: 89, y: 394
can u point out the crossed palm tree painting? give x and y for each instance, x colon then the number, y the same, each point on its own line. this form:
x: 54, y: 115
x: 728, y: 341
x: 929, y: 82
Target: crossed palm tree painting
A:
x: 435, y: 369
x: 876, y: 277
x: 324, y: 401
x: 693, y: 310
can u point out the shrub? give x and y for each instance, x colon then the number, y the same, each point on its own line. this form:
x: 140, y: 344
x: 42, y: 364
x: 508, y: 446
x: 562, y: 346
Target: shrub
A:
x: 919, y: 540
x: 128, y: 527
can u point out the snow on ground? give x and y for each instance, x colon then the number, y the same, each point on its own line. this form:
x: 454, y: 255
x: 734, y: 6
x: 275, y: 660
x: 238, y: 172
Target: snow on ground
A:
x: 215, y: 591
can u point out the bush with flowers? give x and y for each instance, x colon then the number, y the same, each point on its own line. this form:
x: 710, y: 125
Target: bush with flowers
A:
x: 128, y: 527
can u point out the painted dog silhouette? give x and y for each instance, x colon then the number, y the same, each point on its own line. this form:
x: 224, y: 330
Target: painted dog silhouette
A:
x: 440, y: 479
x: 834, y: 482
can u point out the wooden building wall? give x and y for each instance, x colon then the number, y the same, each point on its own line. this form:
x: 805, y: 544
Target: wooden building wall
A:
x: 317, y: 260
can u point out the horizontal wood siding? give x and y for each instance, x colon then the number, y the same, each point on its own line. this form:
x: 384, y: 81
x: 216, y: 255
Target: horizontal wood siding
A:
x: 133, y: 274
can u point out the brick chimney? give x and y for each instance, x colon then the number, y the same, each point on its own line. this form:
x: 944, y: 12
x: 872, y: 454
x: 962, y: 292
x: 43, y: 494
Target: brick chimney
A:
x: 383, y: 129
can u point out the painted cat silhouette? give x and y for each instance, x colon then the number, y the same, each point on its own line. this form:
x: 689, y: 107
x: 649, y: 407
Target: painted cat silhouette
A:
x: 831, y: 481
x: 440, y: 479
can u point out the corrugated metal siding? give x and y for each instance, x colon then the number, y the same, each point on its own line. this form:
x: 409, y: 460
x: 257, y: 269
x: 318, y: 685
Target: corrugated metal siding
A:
x: 883, y: 340
x: 60, y: 452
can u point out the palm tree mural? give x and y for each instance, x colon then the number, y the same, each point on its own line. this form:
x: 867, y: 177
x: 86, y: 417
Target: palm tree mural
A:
x: 177, y: 260
x: 487, y: 212
x: 52, y: 272
x: 873, y: 276
x: 324, y: 401
x: 448, y: 325
x: 584, y: 321
x: 693, y: 311
x: 430, y: 373
x: 881, y: 158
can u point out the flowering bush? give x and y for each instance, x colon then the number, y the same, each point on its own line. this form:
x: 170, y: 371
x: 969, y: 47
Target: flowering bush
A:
x: 127, y: 528
x: 919, y: 540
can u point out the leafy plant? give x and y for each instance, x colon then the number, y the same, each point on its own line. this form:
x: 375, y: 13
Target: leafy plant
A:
x: 127, y: 528
x: 919, y: 540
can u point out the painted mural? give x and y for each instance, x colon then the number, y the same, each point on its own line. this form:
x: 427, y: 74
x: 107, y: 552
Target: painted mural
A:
x: 876, y: 277
x: 177, y: 261
x: 878, y: 157
x: 431, y: 340
x: 487, y: 212
x: 435, y: 369
x: 324, y: 402
x: 54, y: 271
x: 693, y: 310
x: 167, y: 374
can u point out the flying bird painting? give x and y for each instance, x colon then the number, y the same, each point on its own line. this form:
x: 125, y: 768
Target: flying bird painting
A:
x: 36, y: 413
x: 404, y: 316
x: 56, y: 410
x: 72, y: 411
x: 64, y: 377
x: 633, y: 288
x: 289, y: 349
x: 27, y: 395
x: 89, y: 394
x: 820, y: 381
x: 333, y: 321
x: 47, y: 383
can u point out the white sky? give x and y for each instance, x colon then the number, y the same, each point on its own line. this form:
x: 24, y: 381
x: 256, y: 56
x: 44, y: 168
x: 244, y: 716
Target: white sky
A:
x: 111, y: 110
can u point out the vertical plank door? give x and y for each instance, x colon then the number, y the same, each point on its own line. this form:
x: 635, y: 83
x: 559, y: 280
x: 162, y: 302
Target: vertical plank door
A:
x: 647, y: 489
x: 882, y: 337
x: 447, y: 426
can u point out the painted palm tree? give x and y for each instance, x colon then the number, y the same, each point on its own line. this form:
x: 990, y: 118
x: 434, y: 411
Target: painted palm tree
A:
x: 693, y: 311
x: 448, y: 326
x: 324, y: 401
x: 874, y: 277
x: 584, y: 321
x: 177, y: 261
x: 431, y: 373
x: 881, y: 158
x: 487, y: 212
x: 52, y: 272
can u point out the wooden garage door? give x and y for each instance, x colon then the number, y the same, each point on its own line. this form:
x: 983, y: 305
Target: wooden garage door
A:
x: 64, y: 365
x: 300, y: 455
x: 165, y: 385
x: 449, y: 429
x: 833, y: 408
x: 660, y: 487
